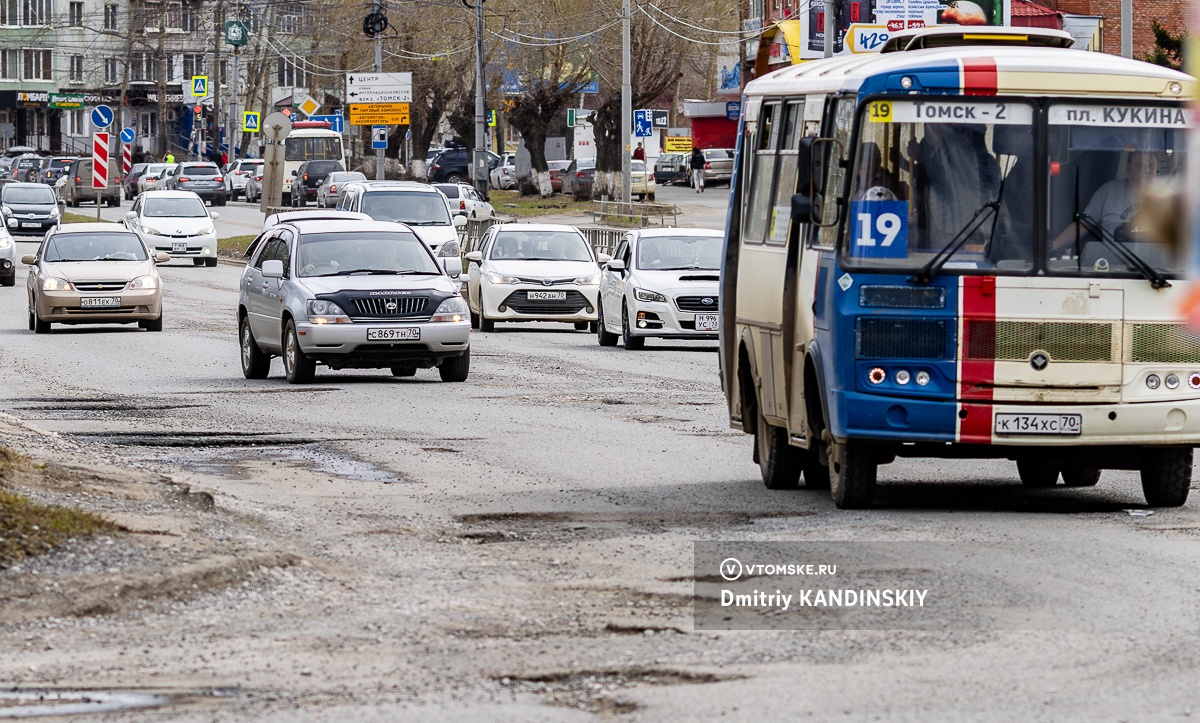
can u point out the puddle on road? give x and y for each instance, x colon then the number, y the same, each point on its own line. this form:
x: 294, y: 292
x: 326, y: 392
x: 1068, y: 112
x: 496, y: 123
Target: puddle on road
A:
x: 36, y: 703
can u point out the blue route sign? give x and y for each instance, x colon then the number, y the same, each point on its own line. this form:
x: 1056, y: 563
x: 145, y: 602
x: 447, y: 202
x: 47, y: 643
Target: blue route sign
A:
x: 337, y: 122
x: 643, y: 123
x: 127, y: 135
x: 102, y: 116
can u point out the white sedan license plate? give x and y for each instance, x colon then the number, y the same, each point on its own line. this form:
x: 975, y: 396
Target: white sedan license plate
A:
x: 99, y: 302
x: 408, y: 333
x: 179, y: 248
x: 1069, y: 425
x: 547, y: 295
x: 707, y: 322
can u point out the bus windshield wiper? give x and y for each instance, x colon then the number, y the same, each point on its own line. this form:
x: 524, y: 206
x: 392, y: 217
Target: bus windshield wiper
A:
x: 926, y: 273
x: 1151, y: 274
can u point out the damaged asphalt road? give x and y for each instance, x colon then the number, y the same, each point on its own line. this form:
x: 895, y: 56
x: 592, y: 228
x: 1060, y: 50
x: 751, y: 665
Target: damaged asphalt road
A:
x: 516, y: 547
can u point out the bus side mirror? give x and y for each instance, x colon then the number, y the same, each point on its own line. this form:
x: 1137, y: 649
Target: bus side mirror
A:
x: 804, y: 166
x: 802, y: 208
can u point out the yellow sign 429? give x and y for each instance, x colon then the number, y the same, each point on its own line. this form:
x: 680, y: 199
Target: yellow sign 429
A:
x: 880, y: 111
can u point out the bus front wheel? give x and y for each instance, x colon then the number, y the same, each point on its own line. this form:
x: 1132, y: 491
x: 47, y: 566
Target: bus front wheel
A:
x: 1166, y: 476
x: 852, y: 473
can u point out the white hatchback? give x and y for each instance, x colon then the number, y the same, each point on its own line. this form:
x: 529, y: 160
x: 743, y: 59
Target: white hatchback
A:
x: 661, y: 283
x: 533, y: 272
x: 176, y: 223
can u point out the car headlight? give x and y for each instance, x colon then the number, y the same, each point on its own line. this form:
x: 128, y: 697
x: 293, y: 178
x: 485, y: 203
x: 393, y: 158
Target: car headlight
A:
x: 152, y: 232
x: 321, y: 311
x: 54, y: 212
x: 450, y: 248
x: 5, y: 240
x: 7, y: 211
x: 144, y: 282
x: 592, y: 280
x: 502, y: 279
x: 55, y: 284
x: 644, y: 295
x: 452, y: 309
x: 206, y: 230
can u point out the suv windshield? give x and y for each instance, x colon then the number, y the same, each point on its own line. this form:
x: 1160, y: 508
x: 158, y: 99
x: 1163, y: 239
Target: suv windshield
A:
x: 343, y: 254
x: 1103, y: 160
x: 174, y: 208
x: 679, y: 253
x: 934, y: 176
x: 93, y: 247
x: 29, y: 194
x: 417, y: 208
x: 540, y: 246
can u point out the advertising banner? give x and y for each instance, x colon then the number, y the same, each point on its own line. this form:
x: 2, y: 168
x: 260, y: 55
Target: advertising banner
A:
x: 863, y: 26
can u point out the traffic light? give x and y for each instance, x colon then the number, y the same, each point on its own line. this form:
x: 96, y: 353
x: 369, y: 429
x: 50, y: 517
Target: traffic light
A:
x: 197, y: 109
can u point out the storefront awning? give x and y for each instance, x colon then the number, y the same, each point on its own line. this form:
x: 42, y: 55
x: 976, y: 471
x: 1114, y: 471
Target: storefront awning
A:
x: 778, y: 47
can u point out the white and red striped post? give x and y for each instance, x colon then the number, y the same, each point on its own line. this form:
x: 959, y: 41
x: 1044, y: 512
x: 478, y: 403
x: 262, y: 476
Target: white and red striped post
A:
x: 126, y: 159
x: 99, y: 166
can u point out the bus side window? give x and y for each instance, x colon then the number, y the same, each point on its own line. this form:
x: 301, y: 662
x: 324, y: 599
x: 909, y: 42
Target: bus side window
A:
x: 832, y: 186
x: 785, y: 171
x: 761, y: 178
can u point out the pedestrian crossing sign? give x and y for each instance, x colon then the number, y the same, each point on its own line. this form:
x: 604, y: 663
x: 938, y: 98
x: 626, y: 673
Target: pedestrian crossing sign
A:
x: 199, y: 86
x: 251, y: 121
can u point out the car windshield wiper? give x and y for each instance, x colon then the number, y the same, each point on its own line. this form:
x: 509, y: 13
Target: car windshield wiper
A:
x: 376, y: 272
x: 423, y: 223
x: 926, y: 273
x: 1084, y: 221
x: 684, y: 268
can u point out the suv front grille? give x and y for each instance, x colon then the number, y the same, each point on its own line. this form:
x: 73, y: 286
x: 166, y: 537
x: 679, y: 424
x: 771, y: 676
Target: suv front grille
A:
x: 697, y: 303
x: 391, y: 306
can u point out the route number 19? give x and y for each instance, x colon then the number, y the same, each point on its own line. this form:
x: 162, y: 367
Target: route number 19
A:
x: 879, y: 229
x: 887, y: 224
x: 880, y: 111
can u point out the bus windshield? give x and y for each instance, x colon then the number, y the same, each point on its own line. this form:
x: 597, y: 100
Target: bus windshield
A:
x: 933, y: 175
x: 1103, y: 160
x: 328, y: 148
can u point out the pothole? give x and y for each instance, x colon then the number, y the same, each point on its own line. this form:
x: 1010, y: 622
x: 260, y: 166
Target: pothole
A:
x: 575, y: 526
x: 34, y: 703
x: 596, y: 691
x: 197, y: 439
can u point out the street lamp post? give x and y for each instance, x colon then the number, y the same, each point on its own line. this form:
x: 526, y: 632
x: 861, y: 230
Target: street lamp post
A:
x: 479, y: 173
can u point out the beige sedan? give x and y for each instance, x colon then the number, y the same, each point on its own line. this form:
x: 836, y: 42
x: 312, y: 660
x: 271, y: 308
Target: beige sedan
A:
x: 641, y: 181
x: 94, y: 273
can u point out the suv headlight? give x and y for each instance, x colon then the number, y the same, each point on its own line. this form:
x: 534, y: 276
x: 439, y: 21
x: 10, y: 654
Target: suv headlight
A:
x: 5, y: 240
x: 592, y: 280
x: 206, y: 230
x: 452, y: 309
x: 502, y: 279
x: 55, y: 284
x: 151, y: 231
x: 450, y: 248
x: 645, y: 295
x: 144, y: 282
x: 54, y: 212
x: 321, y: 311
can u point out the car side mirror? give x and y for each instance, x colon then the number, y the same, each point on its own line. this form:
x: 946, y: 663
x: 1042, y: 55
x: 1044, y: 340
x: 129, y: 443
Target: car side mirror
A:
x: 162, y: 258
x: 603, y: 258
x: 460, y: 221
x: 452, y: 265
x: 272, y: 269
x: 131, y: 215
x: 616, y: 265
x: 29, y: 259
x: 214, y: 215
x: 475, y: 256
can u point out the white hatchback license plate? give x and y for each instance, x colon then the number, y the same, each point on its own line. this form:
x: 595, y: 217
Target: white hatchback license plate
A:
x: 408, y: 333
x: 708, y: 322
x: 99, y: 302
x: 30, y: 225
x: 1068, y: 425
x: 179, y: 248
x: 547, y: 295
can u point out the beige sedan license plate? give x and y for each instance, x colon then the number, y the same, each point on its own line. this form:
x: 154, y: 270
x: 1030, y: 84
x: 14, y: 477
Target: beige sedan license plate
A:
x: 408, y: 333
x: 99, y: 302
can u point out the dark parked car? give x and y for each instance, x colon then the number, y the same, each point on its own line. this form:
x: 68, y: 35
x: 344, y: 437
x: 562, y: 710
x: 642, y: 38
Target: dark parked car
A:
x: 201, y: 177
x: 308, y: 176
x: 454, y: 166
x: 129, y: 183
x: 29, y: 208
x: 579, y: 178
x: 25, y: 168
x: 671, y: 168
x: 52, y: 171
x: 78, y: 187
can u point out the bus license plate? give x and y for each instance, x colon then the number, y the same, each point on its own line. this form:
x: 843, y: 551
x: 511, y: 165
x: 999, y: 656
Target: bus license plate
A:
x: 1068, y: 425
x: 99, y: 302
x: 546, y: 295
x: 707, y: 322
x: 408, y: 333
x: 179, y: 248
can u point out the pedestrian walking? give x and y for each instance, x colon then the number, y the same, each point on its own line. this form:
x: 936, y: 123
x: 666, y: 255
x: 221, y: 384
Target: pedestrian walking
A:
x: 639, y: 153
x: 698, y: 164
x: 169, y: 158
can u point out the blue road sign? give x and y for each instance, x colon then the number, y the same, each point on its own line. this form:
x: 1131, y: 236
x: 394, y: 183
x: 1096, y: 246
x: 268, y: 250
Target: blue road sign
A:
x: 733, y: 109
x: 127, y: 135
x: 643, y: 123
x: 336, y: 121
x: 379, y: 137
x: 102, y: 116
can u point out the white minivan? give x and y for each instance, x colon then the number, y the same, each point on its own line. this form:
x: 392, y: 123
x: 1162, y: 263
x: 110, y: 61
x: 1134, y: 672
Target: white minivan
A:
x: 419, y: 206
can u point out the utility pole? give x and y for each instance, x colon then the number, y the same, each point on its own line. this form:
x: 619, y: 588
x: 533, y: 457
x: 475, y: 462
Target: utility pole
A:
x: 1127, y: 28
x: 378, y: 69
x: 480, y: 165
x: 160, y: 64
x: 830, y: 11
x: 626, y: 103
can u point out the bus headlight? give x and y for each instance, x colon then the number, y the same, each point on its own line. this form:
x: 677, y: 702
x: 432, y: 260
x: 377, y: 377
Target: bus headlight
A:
x: 922, y: 378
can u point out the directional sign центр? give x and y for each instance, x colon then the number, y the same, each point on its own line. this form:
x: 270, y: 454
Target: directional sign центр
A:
x: 379, y: 87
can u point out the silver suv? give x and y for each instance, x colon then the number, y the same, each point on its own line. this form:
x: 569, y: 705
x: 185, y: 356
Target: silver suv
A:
x: 350, y: 295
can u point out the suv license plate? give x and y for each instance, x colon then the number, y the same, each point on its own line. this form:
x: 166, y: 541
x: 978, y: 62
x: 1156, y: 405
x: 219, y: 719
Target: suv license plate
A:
x: 707, y: 322
x: 1069, y: 425
x: 546, y: 295
x: 99, y: 302
x: 407, y: 333
x: 179, y: 248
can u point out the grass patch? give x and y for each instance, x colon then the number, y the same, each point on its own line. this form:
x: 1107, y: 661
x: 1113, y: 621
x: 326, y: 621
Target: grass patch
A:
x: 80, y: 218
x: 511, y: 203
x: 234, y: 246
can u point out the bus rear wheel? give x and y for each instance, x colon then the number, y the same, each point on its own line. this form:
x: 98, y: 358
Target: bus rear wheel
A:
x: 852, y: 474
x: 780, y: 462
x: 1166, y: 476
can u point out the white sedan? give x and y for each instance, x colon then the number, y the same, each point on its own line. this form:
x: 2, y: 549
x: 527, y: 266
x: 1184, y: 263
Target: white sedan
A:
x: 465, y: 200
x: 504, y: 175
x: 533, y: 272
x: 176, y: 223
x: 661, y: 283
